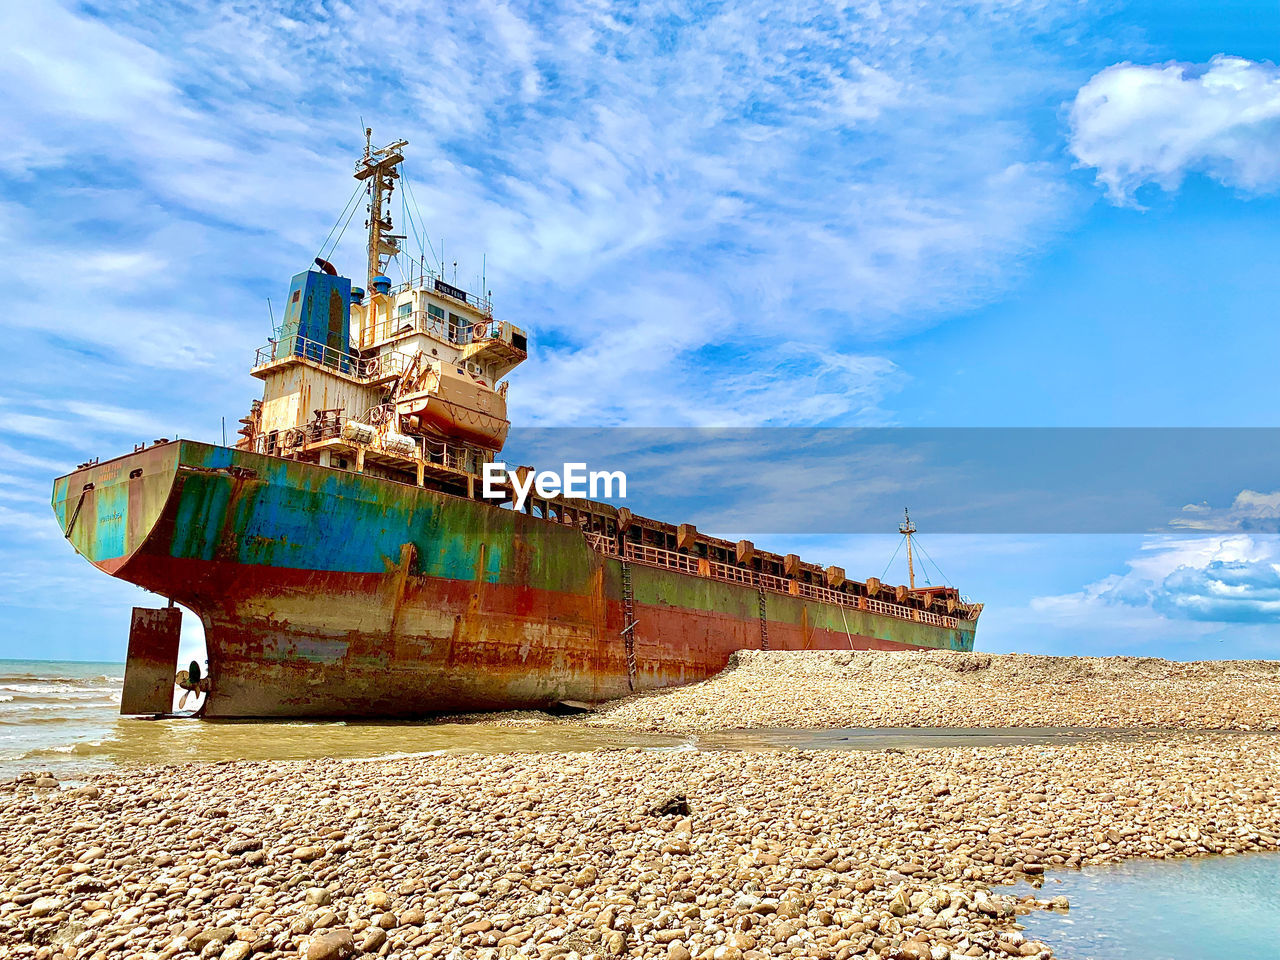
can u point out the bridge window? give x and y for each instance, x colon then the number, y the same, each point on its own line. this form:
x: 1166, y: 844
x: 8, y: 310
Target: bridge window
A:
x: 459, y: 329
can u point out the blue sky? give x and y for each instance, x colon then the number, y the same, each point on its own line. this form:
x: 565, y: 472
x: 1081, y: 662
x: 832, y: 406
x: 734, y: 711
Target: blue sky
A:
x: 891, y: 213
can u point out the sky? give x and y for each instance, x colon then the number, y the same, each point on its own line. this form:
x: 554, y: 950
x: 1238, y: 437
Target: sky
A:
x: 1029, y: 214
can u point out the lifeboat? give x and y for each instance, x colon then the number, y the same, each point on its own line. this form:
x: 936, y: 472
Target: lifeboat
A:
x: 450, y: 401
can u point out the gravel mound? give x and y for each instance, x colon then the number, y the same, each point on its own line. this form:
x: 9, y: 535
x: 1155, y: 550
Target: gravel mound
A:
x: 944, y: 689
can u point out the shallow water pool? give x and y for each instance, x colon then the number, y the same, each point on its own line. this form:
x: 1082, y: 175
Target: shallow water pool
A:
x: 1207, y: 908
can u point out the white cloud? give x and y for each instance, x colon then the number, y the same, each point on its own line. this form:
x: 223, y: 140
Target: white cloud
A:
x: 1153, y: 124
x: 1249, y: 510
x: 1231, y: 579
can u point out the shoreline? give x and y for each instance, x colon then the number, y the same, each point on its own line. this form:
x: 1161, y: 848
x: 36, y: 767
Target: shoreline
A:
x: 810, y: 852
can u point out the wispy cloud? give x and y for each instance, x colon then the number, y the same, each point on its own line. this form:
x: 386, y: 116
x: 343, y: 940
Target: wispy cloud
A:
x: 808, y: 177
x: 1153, y: 124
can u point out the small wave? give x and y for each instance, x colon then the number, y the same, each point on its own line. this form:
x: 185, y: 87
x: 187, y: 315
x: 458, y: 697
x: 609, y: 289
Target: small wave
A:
x: 84, y: 748
x: 6, y: 698
x: 18, y: 706
x: 73, y: 696
x: 45, y: 719
x: 396, y: 756
x: 58, y: 686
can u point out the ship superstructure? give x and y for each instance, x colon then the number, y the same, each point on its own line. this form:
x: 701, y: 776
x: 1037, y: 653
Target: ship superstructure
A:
x: 403, y: 381
x: 343, y: 562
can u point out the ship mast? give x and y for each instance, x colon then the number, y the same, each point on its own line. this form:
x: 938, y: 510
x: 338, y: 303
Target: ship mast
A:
x: 379, y: 167
x: 907, y: 528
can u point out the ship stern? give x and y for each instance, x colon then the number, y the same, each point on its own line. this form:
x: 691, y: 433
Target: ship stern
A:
x: 108, y: 510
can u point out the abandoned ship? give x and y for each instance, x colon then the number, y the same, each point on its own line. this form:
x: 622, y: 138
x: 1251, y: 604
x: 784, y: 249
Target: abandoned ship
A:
x: 343, y: 562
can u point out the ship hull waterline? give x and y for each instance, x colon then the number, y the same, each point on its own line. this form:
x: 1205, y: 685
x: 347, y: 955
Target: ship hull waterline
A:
x: 326, y: 593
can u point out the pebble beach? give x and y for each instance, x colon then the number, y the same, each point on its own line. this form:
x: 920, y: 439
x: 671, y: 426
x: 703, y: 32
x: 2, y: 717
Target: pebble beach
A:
x: 674, y: 854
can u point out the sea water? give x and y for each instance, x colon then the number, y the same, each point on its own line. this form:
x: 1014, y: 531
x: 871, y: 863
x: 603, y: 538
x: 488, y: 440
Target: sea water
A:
x: 48, y: 707
x: 1204, y: 908
x: 64, y: 717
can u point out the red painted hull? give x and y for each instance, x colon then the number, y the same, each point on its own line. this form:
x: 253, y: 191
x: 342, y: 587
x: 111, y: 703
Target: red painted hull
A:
x: 479, y: 654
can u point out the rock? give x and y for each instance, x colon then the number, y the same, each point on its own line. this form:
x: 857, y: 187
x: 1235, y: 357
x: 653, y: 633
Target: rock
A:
x: 900, y: 906
x: 46, y: 783
x: 583, y: 941
x: 66, y: 932
x: 43, y: 906
x: 548, y: 857
x: 374, y: 940
x: 307, y: 854
x: 784, y: 931
x: 205, y: 937
x: 672, y: 805
x: 332, y: 945
x: 614, y: 943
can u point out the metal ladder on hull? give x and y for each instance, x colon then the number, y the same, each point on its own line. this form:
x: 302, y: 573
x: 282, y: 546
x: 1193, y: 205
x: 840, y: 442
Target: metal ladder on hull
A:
x: 629, y: 631
x: 764, y: 621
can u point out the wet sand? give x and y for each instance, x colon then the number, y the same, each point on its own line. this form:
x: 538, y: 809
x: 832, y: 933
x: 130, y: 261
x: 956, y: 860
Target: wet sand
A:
x: 129, y: 740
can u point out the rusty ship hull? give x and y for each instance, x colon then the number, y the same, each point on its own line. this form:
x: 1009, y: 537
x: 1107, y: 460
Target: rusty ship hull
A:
x: 327, y: 593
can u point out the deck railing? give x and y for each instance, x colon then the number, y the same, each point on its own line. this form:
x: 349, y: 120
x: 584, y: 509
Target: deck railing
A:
x: 419, y: 321
x: 313, y: 350
x: 427, y: 279
x: 686, y: 563
x: 367, y: 368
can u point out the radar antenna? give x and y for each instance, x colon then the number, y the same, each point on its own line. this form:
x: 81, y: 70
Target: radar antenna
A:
x: 379, y: 166
x: 907, y: 528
